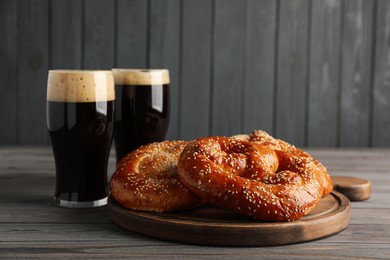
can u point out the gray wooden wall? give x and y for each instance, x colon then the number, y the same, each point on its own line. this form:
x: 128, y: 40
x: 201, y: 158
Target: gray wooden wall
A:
x: 315, y: 73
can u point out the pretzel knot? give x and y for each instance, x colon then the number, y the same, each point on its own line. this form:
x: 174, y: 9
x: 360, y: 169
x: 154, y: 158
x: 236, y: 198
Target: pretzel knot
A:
x: 146, y: 179
x: 263, y: 179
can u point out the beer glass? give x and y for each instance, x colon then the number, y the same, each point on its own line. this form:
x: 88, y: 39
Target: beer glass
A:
x: 142, y: 103
x: 80, y: 120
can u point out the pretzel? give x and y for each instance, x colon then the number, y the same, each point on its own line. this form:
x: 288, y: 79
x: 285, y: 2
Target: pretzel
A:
x: 262, y: 137
x: 146, y: 179
x: 259, y: 177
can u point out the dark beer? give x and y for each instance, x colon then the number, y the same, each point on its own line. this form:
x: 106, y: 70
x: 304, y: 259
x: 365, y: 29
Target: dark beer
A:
x: 142, y: 108
x: 81, y: 133
x: 81, y: 143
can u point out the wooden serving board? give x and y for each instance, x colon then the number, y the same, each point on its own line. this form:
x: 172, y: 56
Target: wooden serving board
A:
x: 210, y: 225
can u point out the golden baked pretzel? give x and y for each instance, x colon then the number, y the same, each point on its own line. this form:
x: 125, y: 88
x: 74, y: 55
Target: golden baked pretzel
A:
x: 265, y: 180
x: 262, y: 137
x: 146, y: 179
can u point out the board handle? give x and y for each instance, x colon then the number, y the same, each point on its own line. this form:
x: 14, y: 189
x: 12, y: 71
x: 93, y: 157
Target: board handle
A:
x: 355, y: 189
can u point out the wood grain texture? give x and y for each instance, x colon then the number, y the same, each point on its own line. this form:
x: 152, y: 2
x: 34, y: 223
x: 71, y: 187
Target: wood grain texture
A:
x: 228, y: 49
x: 381, y: 92
x: 324, y: 69
x: 356, y: 73
x: 212, y: 226
x: 135, y: 247
x: 163, y: 52
x: 258, y: 98
x: 291, y: 86
x: 356, y: 189
x: 33, y: 64
x: 195, y: 73
x: 30, y: 226
x: 8, y: 63
x: 98, y: 32
x: 315, y: 73
x: 65, y: 34
x: 131, y: 35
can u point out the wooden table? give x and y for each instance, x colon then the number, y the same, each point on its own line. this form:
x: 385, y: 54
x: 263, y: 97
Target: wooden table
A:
x: 30, y: 226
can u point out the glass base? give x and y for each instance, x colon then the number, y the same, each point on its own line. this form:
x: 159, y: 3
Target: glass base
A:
x: 80, y: 204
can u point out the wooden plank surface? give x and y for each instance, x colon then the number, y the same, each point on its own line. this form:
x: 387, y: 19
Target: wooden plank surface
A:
x: 258, y: 98
x: 315, y: 73
x: 8, y: 86
x: 228, y: 49
x: 33, y: 64
x: 163, y: 50
x: 98, y: 32
x: 291, y: 88
x: 195, y: 73
x: 131, y: 33
x: 356, y: 73
x: 65, y: 34
x: 135, y: 247
x: 324, y: 70
x: 30, y: 226
x: 381, y: 92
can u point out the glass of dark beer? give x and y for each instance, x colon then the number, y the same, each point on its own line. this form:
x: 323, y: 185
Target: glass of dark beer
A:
x: 80, y: 120
x: 142, y: 108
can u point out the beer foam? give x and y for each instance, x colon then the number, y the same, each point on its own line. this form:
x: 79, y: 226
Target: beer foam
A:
x: 80, y: 86
x: 141, y: 76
